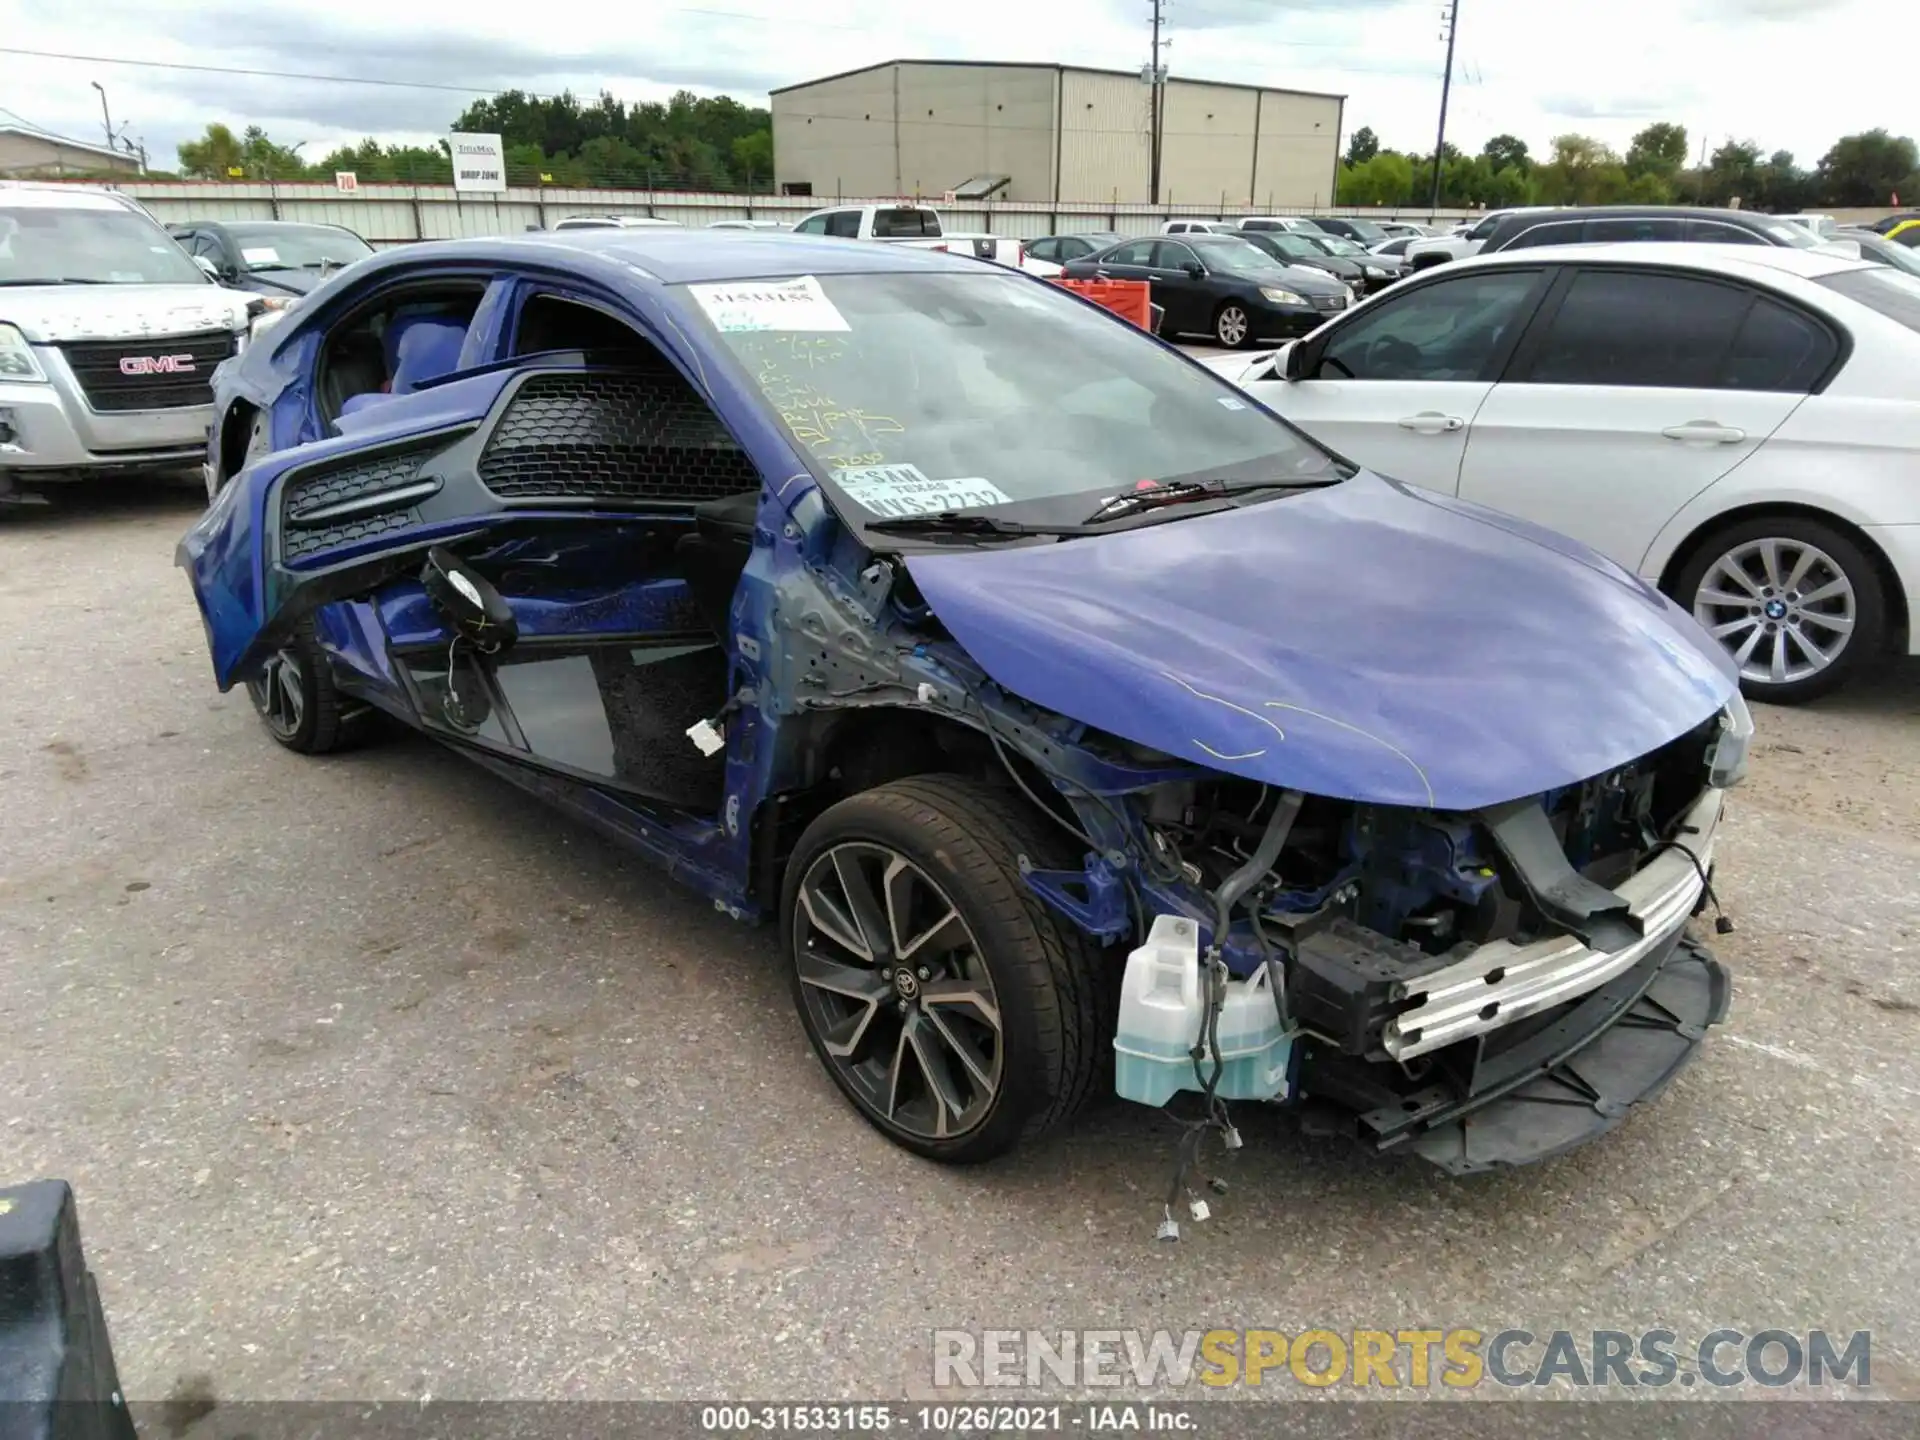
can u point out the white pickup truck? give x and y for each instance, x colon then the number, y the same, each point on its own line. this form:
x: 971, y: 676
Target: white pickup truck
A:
x: 904, y: 224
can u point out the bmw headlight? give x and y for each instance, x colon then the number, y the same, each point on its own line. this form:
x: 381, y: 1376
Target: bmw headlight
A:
x: 1727, y: 757
x: 17, y: 361
x: 1281, y: 297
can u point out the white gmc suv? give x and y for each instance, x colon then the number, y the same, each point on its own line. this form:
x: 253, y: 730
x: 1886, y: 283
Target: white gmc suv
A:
x: 109, y: 335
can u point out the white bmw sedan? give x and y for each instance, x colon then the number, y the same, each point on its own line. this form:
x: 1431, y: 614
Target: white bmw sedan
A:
x: 1739, y: 425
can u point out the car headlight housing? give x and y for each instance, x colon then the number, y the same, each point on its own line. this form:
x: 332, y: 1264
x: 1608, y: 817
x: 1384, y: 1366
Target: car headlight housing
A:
x: 1727, y: 756
x: 17, y: 360
x: 1281, y: 297
x: 1374, y: 272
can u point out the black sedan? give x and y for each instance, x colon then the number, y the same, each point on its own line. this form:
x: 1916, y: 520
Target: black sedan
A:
x: 1287, y: 248
x: 1220, y: 285
x: 280, y: 259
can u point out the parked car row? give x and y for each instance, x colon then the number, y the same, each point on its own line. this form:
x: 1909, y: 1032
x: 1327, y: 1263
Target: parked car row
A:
x: 1738, y: 425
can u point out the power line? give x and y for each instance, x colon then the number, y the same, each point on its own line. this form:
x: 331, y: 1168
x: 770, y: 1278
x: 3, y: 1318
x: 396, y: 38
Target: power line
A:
x: 250, y: 72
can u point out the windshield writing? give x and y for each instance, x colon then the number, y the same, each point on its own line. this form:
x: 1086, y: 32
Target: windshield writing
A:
x: 915, y: 393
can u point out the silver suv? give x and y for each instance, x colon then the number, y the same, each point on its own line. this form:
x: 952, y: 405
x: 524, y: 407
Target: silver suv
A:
x: 109, y: 335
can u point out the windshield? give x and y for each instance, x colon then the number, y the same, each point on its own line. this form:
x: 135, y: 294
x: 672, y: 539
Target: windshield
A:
x: 1337, y: 245
x: 1237, y: 257
x: 1366, y: 231
x: 1299, y: 247
x: 98, y: 247
x: 1894, y: 293
x: 1788, y: 233
x: 296, y: 247
x: 917, y: 393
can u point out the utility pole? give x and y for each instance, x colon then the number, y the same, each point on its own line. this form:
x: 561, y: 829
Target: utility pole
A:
x: 1450, y: 17
x: 1159, y: 79
x: 106, y: 118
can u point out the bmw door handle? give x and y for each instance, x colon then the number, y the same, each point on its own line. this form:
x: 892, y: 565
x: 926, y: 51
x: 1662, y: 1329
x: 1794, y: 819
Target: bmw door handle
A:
x: 1704, y: 432
x: 1432, y: 422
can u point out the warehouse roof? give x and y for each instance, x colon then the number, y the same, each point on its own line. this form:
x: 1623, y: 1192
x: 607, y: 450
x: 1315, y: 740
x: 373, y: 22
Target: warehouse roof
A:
x: 1041, y: 65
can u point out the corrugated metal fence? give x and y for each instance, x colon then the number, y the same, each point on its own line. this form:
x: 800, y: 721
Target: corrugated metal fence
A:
x: 400, y: 214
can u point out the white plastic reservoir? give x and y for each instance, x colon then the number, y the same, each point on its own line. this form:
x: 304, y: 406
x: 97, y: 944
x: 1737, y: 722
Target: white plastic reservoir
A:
x: 1162, y: 1009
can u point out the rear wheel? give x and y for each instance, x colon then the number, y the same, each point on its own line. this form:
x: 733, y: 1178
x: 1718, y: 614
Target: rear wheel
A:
x: 296, y: 699
x: 1232, y: 327
x: 1796, y: 603
x: 958, y: 1013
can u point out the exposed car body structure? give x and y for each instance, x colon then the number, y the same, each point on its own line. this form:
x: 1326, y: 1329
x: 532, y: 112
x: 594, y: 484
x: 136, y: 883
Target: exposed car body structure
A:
x: 676, y: 532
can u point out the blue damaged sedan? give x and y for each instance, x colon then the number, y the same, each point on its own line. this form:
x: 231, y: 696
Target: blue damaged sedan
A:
x: 1082, y: 725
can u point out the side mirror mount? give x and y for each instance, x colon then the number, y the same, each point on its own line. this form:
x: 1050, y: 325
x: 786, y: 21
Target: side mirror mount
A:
x: 1298, y: 363
x: 207, y: 266
x: 1197, y: 270
x: 467, y: 601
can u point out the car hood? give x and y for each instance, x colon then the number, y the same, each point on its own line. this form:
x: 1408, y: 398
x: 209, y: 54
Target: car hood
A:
x: 1364, y: 641
x: 52, y: 314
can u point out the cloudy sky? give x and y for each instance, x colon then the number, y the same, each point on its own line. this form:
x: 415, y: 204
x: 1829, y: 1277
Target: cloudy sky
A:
x: 1790, y: 74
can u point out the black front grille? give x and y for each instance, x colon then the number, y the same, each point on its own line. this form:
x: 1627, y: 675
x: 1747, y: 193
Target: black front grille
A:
x: 1328, y: 302
x: 631, y: 437
x: 148, y: 374
x: 323, y: 509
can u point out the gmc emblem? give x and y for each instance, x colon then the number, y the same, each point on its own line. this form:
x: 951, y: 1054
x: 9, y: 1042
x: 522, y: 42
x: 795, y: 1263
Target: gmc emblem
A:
x: 156, y: 365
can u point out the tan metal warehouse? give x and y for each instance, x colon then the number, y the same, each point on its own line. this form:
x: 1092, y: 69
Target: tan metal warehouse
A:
x: 1053, y: 133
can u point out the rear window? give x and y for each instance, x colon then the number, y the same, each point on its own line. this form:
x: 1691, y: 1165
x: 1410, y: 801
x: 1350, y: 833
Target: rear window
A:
x: 909, y: 224
x: 1894, y: 293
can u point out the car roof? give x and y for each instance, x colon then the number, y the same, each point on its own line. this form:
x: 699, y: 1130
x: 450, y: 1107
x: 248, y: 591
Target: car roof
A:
x: 1741, y: 260
x: 681, y: 256
x: 15, y: 195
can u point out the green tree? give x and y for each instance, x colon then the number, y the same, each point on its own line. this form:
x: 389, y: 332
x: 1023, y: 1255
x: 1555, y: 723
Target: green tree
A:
x: 1867, y: 169
x: 1362, y: 146
x: 213, y: 156
x: 1659, y: 150
x: 752, y: 157
x: 1507, y: 152
x: 1731, y: 174
x: 1583, y: 171
x: 1386, y: 179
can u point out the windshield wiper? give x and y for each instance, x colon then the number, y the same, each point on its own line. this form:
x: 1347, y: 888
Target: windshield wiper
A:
x: 965, y: 526
x: 60, y: 280
x: 1182, y: 492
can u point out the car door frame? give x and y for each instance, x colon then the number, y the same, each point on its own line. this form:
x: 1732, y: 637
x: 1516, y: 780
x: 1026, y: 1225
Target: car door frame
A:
x: 1518, y: 367
x: 1315, y: 345
x: 1176, y: 290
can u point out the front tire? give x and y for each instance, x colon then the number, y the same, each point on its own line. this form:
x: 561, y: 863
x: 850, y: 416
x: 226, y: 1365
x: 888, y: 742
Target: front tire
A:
x: 1795, y: 602
x: 296, y: 699
x: 957, y: 1012
x: 1232, y: 326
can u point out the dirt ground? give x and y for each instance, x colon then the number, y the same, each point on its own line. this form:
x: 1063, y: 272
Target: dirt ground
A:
x: 376, y: 1080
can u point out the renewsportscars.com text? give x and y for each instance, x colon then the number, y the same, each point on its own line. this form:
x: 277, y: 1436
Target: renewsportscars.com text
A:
x: 1416, y: 1359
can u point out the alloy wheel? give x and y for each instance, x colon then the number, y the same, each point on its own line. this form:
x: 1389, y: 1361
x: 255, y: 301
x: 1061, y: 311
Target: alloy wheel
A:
x: 279, y: 693
x: 1231, y: 327
x: 894, y: 985
x: 1783, y: 608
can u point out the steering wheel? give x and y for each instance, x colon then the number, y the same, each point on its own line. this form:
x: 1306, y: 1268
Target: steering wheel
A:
x: 1389, y: 355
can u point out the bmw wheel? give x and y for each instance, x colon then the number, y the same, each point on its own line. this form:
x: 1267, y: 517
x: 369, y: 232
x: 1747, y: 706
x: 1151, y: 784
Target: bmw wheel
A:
x: 1794, y: 601
x: 296, y: 699
x: 1231, y: 326
x: 957, y: 1013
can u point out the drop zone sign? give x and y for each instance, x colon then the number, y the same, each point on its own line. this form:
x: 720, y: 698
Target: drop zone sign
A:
x: 479, y: 163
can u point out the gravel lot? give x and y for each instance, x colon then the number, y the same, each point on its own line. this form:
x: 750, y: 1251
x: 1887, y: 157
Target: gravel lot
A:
x: 377, y: 1080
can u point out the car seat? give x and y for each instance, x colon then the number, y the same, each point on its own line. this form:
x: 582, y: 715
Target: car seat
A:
x: 715, y: 552
x: 421, y: 346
